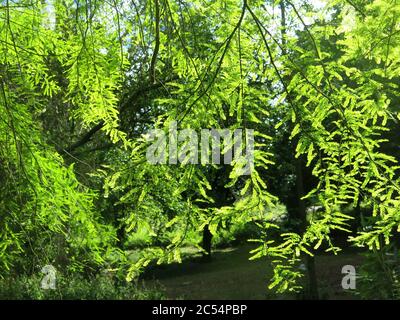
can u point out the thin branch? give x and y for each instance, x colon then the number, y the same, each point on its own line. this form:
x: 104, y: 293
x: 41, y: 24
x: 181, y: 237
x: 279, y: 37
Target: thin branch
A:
x: 152, y: 71
x: 129, y: 101
x: 227, y: 41
x: 357, y: 8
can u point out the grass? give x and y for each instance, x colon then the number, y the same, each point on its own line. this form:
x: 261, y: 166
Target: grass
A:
x: 230, y: 275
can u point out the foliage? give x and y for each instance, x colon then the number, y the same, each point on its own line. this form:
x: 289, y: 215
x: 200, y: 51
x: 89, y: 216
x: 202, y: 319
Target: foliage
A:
x: 73, y: 287
x: 379, y: 275
x: 82, y: 84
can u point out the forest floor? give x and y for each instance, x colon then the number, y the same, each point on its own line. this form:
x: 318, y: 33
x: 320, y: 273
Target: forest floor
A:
x: 230, y: 275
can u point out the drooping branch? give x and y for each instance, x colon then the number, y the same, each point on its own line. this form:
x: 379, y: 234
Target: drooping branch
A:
x: 124, y: 105
x: 339, y: 108
x: 152, y: 71
x: 358, y: 9
x: 84, y: 139
x: 283, y: 25
x: 219, y: 65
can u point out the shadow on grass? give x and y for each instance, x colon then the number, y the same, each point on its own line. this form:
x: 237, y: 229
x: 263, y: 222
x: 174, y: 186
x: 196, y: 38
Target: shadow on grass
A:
x: 231, y: 275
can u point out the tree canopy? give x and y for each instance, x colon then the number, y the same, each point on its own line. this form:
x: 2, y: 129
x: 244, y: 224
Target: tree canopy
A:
x: 82, y: 83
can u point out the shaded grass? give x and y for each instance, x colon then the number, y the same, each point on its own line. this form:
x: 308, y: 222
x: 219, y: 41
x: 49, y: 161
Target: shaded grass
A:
x: 230, y: 275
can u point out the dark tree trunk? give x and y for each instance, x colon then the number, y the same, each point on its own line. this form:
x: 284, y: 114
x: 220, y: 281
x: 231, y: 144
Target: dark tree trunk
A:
x: 312, y: 290
x: 222, y: 197
x: 206, y: 245
x: 312, y: 284
x: 121, y: 236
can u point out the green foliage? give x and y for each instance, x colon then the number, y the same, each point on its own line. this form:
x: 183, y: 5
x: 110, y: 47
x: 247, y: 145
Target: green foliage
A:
x: 75, y: 287
x: 378, y: 277
x: 82, y: 83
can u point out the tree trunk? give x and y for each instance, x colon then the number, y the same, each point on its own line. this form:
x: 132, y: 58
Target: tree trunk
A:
x: 206, y: 245
x: 312, y: 284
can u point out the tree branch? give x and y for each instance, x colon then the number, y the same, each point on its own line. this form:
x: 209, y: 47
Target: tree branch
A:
x: 152, y: 71
x: 129, y: 101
